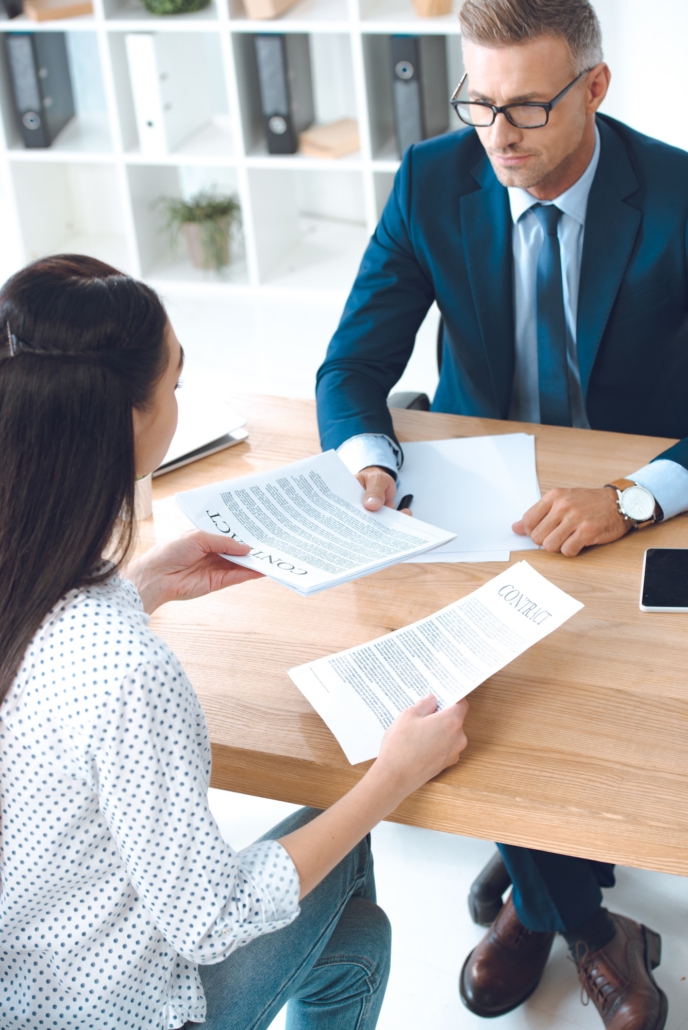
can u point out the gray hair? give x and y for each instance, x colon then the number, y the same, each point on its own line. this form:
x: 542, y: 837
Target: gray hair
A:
x: 498, y: 23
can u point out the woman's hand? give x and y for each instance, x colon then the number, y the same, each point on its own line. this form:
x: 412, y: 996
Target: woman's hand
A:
x: 417, y: 746
x: 187, y: 567
x: 421, y: 742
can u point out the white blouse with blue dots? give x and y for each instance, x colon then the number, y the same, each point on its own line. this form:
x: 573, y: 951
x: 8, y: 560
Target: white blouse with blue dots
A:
x: 114, y: 878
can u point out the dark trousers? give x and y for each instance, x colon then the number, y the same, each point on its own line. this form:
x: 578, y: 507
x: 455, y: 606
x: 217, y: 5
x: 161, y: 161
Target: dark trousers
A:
x: 555, y: 892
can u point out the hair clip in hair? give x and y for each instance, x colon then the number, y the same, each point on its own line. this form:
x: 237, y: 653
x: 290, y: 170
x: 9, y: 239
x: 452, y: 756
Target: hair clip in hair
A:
x: 16, y: 345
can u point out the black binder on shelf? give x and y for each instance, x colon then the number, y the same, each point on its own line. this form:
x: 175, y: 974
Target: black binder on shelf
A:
x: 13, y: 7
x: 42, y: 85
x: 286, y: 88
x: 421, y: 90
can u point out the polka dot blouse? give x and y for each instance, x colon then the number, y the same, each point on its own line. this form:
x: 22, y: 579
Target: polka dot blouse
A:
x: 114, y: 879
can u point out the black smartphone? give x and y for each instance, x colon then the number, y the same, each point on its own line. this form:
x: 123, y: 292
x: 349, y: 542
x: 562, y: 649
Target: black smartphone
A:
x: 665, y: 580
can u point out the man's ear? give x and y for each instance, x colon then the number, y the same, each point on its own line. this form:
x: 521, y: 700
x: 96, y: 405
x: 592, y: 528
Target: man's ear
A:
x: 598, y: 86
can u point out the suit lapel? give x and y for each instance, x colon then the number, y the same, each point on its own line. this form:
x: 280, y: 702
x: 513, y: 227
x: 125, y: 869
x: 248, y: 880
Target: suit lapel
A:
x: 486, y: 230
x: 611, y: 228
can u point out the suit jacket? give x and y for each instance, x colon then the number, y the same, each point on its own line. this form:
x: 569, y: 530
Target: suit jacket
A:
x: 446, y: 235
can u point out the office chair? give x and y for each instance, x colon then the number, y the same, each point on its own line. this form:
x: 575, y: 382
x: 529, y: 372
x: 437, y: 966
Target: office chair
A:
x: 487, y: 891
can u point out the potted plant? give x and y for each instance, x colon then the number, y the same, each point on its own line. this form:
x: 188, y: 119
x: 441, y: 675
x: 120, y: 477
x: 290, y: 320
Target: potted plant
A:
x: 205, y: 222
x: 174, y: 6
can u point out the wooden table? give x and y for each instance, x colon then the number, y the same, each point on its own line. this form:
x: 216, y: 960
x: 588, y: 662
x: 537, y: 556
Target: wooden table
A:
x: 580, y: 746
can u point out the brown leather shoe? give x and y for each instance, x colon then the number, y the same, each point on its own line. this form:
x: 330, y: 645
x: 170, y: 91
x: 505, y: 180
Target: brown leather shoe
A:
x: 506, y: 966
x: 618, y: 978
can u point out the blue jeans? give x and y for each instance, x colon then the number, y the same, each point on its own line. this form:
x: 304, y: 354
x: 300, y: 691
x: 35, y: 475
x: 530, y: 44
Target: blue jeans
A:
x: 330, y: 966
x: 555, y: 893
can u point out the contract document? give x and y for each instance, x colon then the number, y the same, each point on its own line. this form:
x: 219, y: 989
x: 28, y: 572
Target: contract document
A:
x: 359, y: 693
x: 306, y: 524
x: 477, y: 487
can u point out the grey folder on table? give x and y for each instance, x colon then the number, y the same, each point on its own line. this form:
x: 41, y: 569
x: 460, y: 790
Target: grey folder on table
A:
x: 419, y: 75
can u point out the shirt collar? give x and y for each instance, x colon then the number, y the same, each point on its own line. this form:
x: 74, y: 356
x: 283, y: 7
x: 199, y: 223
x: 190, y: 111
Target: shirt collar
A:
x: 573, y: 201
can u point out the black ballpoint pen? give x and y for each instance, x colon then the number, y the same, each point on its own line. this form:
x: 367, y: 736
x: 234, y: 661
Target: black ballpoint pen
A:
x: 405, y: 502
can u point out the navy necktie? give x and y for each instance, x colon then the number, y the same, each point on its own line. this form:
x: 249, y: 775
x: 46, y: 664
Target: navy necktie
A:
x: 555, y: 407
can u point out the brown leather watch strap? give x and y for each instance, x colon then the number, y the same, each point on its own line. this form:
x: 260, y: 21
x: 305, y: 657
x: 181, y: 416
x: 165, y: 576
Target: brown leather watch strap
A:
x: 621, y: 484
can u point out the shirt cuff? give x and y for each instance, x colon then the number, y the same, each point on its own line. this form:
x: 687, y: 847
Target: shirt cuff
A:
x: 269, y: 867
x: 358, y: 452
x: 667, y: 481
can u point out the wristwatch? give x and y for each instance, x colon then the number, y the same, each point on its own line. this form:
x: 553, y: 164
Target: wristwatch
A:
x: 636, y: 504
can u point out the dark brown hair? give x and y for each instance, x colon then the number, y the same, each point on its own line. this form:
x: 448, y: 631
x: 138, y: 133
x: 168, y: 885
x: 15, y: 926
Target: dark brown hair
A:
x: 497, y: 23
x: 81, y: 345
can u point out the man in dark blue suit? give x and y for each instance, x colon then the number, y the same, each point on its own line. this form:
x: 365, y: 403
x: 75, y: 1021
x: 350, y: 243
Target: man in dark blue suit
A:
x: 555, y: 243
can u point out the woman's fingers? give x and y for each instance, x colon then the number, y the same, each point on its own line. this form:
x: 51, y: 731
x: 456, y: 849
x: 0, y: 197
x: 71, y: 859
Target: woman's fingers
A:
x: 426, y: 705
x: 422, y: 742
x: 216, y: 544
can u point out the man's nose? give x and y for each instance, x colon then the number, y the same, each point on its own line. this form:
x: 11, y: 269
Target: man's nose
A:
x: 503, y: 134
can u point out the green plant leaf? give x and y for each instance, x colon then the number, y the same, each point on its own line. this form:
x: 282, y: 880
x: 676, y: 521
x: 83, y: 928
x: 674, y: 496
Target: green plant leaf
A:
x: 215, y: 213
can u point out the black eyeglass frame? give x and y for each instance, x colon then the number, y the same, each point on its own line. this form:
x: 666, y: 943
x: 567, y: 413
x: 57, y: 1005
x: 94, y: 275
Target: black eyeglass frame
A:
x: 546, y: 106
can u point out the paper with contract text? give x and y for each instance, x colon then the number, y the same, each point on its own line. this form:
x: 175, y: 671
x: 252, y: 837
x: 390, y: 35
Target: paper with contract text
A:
x: 359, y: 693
x: 306, y: 524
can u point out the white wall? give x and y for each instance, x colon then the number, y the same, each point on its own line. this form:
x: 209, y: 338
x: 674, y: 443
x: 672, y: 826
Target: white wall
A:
x: 646, y: 47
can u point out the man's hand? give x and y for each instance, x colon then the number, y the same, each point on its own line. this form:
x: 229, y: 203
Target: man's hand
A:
x: 187, y: 567
x: 379, y: 488
x: 569, y: 520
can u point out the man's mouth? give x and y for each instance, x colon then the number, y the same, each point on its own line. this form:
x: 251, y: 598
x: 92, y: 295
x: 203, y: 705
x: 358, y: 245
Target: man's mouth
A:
x: 511, y: 160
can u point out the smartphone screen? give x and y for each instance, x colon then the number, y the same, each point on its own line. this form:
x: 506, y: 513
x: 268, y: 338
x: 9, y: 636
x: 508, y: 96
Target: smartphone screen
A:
x: 665, y: 580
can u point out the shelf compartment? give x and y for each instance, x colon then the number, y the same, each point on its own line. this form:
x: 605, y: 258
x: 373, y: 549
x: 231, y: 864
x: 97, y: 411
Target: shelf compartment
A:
x: 334, y: 93
x: 9, y: 234
x: 73, y: 208
x: 309, y: 227
x: 160, y: 258
x: 400, y: 16
x: 88, y: 132
x: 213, y: 135
x: 134, y: 12
x: 306, y: 12
x: 82, y: 23
x: 377, y: 62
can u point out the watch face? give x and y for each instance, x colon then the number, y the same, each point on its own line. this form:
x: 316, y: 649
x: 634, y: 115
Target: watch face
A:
x: 638, y: 503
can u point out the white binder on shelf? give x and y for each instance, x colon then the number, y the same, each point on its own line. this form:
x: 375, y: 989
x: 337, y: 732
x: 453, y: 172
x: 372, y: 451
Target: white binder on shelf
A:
x: 171, y: 92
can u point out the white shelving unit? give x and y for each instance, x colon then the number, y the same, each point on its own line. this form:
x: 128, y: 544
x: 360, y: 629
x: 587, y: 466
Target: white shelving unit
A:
x: 305, y: 221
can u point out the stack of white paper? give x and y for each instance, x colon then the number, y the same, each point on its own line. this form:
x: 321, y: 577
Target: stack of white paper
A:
x: 477, y: 487
x: 359, y: 693
x: 306, y: 524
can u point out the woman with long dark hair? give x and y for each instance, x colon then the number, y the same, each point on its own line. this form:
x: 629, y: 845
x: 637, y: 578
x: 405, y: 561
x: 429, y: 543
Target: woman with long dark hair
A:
x: 116, y: 885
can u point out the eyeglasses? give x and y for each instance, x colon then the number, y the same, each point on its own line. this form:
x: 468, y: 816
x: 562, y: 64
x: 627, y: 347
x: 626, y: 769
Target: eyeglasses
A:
x: 525, y: 115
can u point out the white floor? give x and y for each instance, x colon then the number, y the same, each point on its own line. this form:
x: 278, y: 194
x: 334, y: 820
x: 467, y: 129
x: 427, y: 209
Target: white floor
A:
x: 423, y: 879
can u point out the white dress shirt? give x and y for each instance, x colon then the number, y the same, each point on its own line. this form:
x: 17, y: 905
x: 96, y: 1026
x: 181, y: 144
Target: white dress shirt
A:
x: 114, y: 878
x: 666, y: 480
